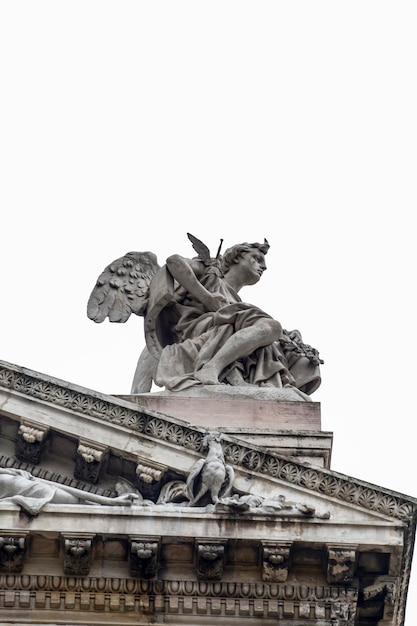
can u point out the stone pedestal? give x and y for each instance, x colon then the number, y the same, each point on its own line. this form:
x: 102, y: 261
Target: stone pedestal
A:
x: 282, y: 420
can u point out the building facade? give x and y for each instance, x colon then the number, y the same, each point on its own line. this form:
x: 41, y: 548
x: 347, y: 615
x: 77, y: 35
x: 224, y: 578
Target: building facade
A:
x: 212, y: 508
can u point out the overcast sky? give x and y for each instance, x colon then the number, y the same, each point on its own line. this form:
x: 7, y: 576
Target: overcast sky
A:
x: 126, y: 124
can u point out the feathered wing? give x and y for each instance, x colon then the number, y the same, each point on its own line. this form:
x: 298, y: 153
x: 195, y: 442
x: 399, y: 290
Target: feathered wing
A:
x: 201, y: 249
x: 122, y: 288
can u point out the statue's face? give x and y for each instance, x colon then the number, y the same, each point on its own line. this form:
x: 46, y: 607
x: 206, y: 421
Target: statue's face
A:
x: 252, y: 265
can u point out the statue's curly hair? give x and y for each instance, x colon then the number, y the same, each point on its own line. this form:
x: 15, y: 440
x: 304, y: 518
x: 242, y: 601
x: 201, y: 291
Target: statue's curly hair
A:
x: 234, y: 253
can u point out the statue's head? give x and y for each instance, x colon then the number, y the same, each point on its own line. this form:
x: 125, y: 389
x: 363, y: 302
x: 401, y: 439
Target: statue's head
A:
x: 236, y: 252
x: 246, y: 258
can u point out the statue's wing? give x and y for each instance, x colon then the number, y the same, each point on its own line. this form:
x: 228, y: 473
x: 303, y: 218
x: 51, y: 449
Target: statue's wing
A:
x: 122, y: 288
x: 193, y: 482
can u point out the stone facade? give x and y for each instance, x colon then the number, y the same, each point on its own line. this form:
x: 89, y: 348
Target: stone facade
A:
x: 292, y: 542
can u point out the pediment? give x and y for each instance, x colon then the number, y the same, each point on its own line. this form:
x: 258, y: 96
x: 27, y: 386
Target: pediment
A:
x: 90, y: 438
x: 282, y: 519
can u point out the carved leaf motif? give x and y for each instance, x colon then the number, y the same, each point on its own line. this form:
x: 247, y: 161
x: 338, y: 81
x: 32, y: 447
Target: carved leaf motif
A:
x: 252, y: 460
x: 232, y: 453
x: 193, y: 441
x: 310, y: 479
x: 174, y: 434
x: 329, y: 486
x: 155, y: 428
x: 386, y: 505
x: 348, y: 492
x: 6, y: 378
x: 271, y: 466
x: 60, y: 396
x: 367, y: 497
x: 290, y: 472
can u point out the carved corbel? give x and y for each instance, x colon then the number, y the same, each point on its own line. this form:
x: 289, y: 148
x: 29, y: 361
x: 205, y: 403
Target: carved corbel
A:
x: 89, y: 461
x: 144, y: 556
x: 341, y: 561
x: 77, y: 554
x: 148, y: 479
x: 12, y: 551
x: 30, y: 442
x: 275, y: 561
x: 210, y: 559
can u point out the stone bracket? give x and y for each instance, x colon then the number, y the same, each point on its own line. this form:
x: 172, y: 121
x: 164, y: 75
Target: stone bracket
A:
x: 148, y: 478
x: 89, y: 461
x: 30, y: 443
x: 275, y: 557
x: 77, y: 553
x: 12, y: 551
x: 144, y: 556
x: 341, y: 561
x: 210, y: 558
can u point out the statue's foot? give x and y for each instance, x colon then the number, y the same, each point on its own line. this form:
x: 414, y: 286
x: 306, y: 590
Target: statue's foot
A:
x: 208, y: 375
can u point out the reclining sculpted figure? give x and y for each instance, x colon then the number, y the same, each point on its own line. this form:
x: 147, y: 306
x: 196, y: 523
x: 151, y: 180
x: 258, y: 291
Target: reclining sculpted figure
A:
x: 198, y: 331
x: 32, y: 493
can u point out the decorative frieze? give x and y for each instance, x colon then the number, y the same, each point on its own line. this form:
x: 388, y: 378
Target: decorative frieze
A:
x: 89, y: 461
x: 340, y: 564
x: 144, y: 557
x: 12, y: 551
x: 275, y: 561
x: 77, y: 554
x: 210, y: 559
x: 30, y: 442
x: 292, y: 602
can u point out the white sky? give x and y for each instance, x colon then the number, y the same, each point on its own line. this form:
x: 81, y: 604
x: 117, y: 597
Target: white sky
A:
x: 126, y: 124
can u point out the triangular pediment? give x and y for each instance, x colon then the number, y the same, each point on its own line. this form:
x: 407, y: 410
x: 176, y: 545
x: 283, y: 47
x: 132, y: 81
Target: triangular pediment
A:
x: 276, y: 507
x: 59, y: 425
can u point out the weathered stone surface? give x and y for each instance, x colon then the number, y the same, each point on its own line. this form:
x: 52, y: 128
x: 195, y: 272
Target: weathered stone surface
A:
x: 198, y: 331
x: 301, y: 543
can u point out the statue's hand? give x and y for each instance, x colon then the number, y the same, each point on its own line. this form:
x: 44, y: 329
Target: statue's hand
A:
x: 127, y: 499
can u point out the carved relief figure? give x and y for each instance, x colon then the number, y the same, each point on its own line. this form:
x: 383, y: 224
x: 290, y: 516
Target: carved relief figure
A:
x: 197, y: 329
x: 32, y: 493
x: 210, y: 478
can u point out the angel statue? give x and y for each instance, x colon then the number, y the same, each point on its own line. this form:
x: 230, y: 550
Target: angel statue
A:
x: 197, y: 329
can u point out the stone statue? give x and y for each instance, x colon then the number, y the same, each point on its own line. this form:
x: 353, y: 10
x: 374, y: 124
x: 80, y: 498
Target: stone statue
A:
x: 32, y: 493
x: 277, y: 506
x: 197, y: 329
x: 210, y: 478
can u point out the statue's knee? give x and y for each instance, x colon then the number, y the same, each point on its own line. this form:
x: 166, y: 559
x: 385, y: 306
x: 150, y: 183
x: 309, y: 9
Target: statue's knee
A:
x: 271, y: 331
